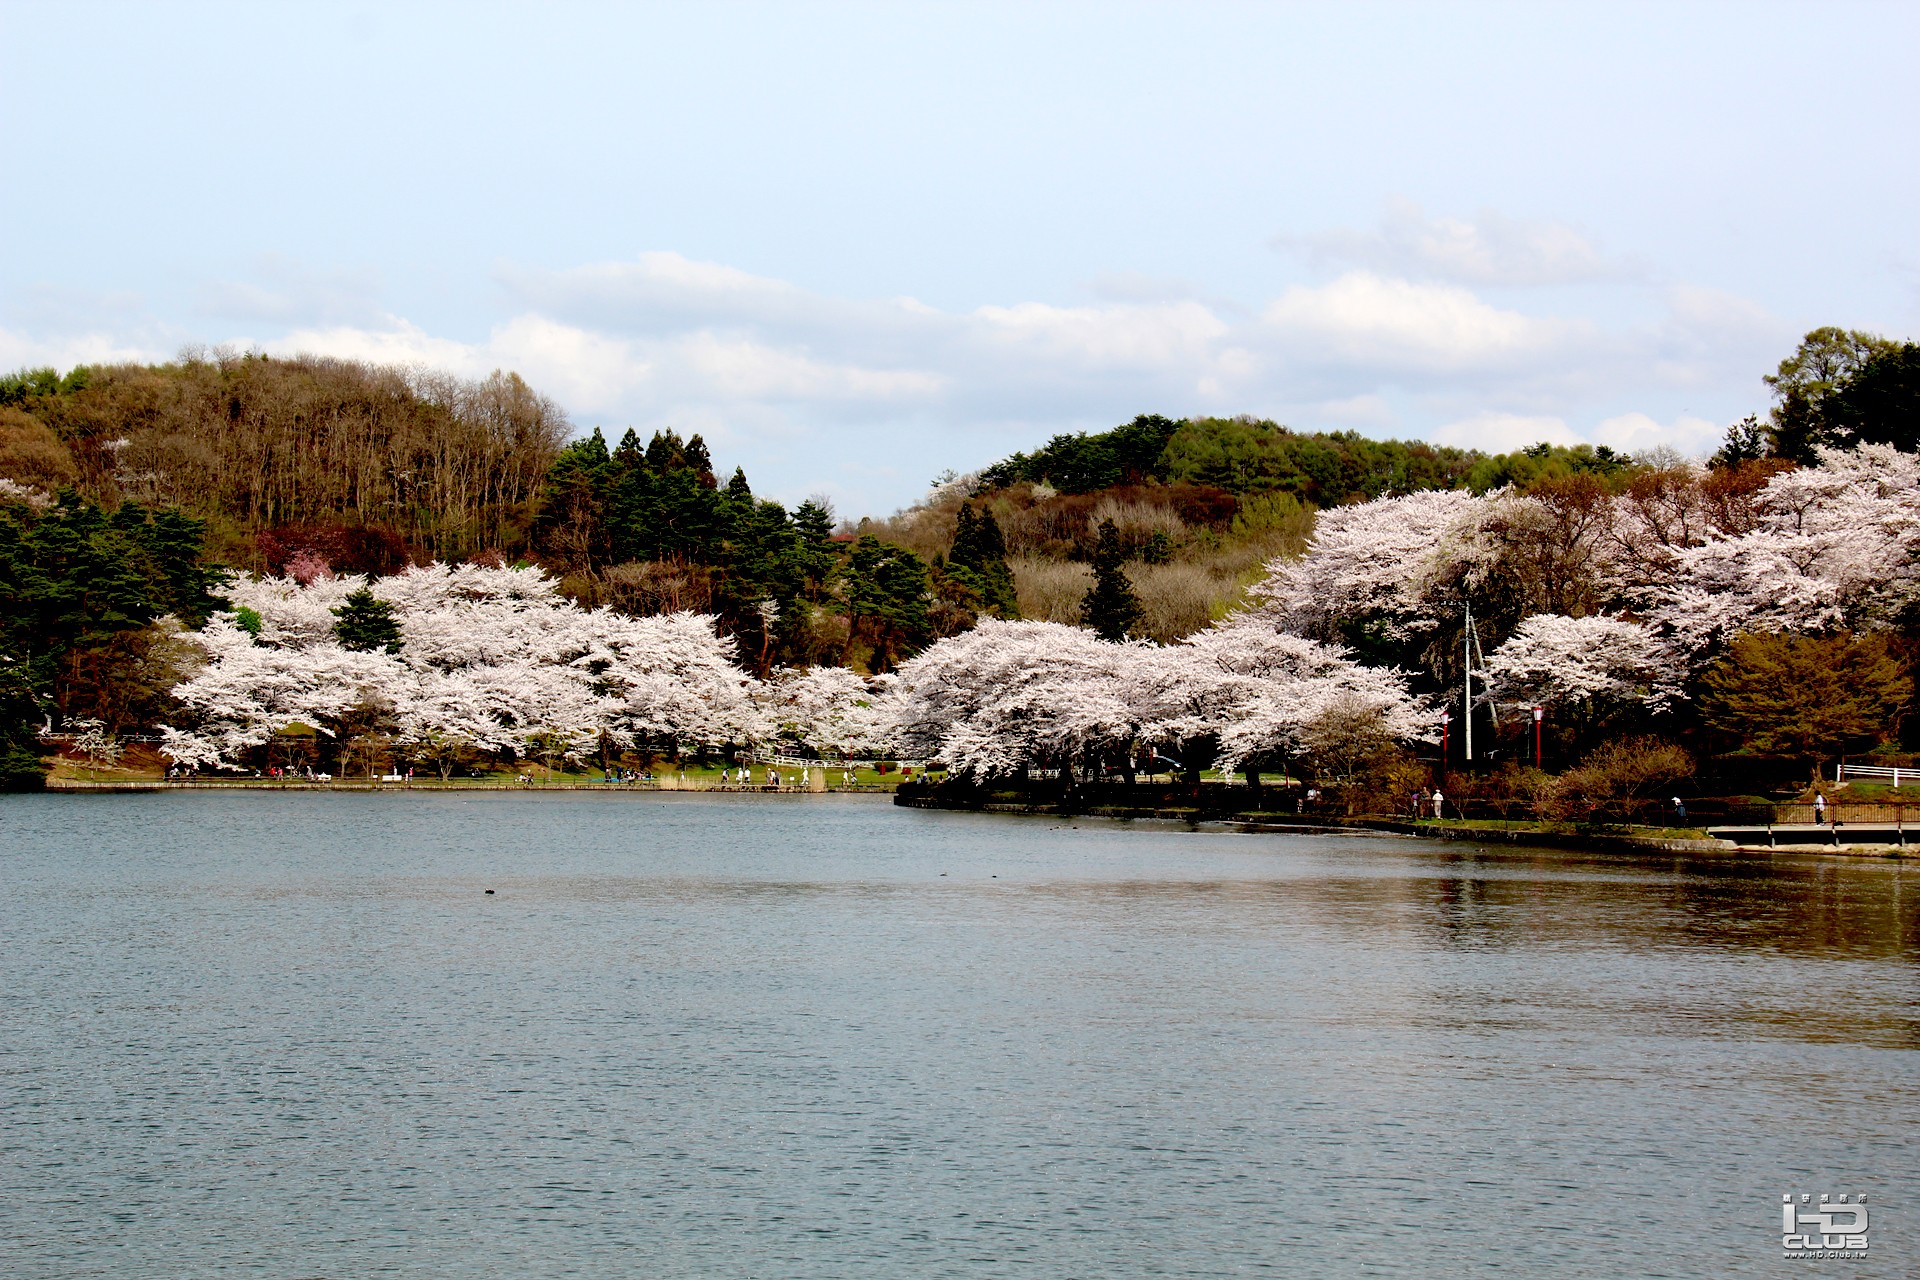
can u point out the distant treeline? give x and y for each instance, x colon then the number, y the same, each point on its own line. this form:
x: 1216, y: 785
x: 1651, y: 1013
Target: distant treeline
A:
x: 1247, y: 455
x: 648, y: 529
x: 252, y: 444
x: 1840, y: 388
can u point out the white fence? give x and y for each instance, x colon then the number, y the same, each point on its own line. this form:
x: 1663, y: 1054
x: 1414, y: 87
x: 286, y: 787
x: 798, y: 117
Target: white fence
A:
x: 1903, y: 776
x: 815, y: 762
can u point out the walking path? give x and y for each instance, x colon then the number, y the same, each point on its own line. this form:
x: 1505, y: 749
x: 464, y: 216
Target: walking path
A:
x: 1815, y: 835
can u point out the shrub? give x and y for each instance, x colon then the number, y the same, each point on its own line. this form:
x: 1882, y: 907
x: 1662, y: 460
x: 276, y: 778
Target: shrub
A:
x: 1050, y: 590
x: 1611, y: 782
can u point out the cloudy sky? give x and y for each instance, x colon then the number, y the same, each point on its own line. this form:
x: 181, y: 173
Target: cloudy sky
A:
x: 856, y: 245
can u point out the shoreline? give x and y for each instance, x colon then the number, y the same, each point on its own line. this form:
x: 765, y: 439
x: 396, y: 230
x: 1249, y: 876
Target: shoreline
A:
x: 1248, y: 822
x: 1280, y: 824
x: 434, y: 786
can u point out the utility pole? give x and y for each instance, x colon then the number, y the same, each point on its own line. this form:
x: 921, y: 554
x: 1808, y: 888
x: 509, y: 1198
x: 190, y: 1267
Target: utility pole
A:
x: 1539, y: 713
x: 1466, y: 653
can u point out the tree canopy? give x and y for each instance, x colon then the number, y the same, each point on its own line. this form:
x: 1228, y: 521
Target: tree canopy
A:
x: 1811, y: 393
x: 1808, y: 696
x: 1111, y: 607
x: 77, y: 584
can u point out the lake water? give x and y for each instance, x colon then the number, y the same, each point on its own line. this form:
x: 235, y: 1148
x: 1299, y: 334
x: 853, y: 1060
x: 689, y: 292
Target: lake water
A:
x: 291, y: 1035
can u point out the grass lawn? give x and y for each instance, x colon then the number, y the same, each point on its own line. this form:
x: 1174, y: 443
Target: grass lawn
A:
x: 153, y: 769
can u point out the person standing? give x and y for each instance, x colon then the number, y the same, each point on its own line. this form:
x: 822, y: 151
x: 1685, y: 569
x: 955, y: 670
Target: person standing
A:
x: 1439, y: 803
x: 1819, y: 808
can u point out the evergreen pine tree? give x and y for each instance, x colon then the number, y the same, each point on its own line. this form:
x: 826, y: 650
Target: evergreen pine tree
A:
x: 75, y: 585
x: 1110, y: 608
x: 666, y: 451
x: 816, y: 556
x: 366, y: 623
x: 571, y: 524
x: 979, y: 561
x: 1805, y: 696
x: 700, y: 462
x: 21, y: 768
x: 631, y: 506
x: 886, y: 600
x: 737, y: 488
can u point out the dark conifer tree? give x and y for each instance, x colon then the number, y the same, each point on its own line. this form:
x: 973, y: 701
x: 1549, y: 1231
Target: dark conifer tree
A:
x: 20, y: 711
x: 887, y: 593
x: 571, y: 523
x: 366, y: 623
x: 816, y: 555
x: 979, y: 561
x: 629, y: 502
x: 737, y: 488
x: 666, y: 452
x: 75, y: 585
x: 700, y: 463
x: 1110, y: 608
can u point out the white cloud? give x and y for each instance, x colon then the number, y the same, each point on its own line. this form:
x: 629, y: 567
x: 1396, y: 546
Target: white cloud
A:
x: 590, y: 372
x: 1628, y: 433
x: 1391, y: 324
x: 1370, y: 410
x: 1490, y: 249
x: 19, y: 351
x: 401, y: 343
x: 666, y: 292
x: 1632, y: 433
x: 737, y: 369
x: 1135, y: 286
x: 1177, y: 335
x: 803, y: 387
x: 602, y: 374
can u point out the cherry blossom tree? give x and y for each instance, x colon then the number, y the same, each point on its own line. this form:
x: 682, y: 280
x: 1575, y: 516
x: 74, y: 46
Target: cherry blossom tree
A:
x: 1815, y: 548
x: 830, y: 709
x: 1834, y: 547
x: 1586, y: 670
x: 1372, y: 562
x: 488, y: 658
x: 1253, y: 689
x: 1008, y: 696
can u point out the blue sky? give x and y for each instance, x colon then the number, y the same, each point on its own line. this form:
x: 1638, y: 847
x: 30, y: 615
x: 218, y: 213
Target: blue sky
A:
x: 856, y: 245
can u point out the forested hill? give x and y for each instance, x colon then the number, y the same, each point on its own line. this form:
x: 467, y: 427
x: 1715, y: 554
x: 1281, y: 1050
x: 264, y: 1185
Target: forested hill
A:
x: 376, y: 465
x: 1248, y: 455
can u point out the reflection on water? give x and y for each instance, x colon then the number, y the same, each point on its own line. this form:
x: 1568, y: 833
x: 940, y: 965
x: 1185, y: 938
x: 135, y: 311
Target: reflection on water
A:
x: 822, y: 1037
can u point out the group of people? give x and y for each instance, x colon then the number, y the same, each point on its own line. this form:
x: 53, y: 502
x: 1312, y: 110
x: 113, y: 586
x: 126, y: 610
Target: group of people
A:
x: 743, y: 776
